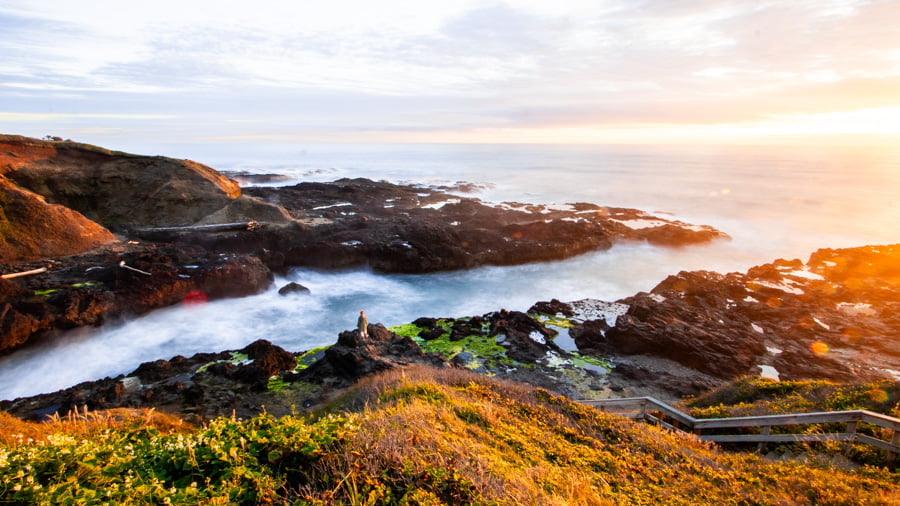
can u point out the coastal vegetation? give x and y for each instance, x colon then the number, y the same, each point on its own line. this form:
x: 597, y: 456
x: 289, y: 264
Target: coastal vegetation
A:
x: 416, y: 435
x: 757, y: 396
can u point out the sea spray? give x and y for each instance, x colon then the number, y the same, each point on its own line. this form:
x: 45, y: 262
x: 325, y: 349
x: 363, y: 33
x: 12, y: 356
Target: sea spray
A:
x: 302, y: 321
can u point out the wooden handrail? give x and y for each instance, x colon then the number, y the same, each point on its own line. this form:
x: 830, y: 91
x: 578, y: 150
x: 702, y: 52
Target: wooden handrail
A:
x: 641, y: 407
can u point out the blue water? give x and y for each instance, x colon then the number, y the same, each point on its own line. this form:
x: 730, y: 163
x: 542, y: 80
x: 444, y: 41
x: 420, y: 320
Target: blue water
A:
x: 774, y: 202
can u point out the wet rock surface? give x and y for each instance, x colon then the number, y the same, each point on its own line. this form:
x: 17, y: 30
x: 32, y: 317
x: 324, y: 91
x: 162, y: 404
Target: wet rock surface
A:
x: 408, y: 229
x: 200, y: 387
x: 834, y: 317
x: 93, y: 288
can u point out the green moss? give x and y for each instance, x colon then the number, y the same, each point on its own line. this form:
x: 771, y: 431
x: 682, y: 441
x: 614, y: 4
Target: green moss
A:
x: 237, y: 358
x: 584, y: 360
x: 484, y: 350
x: 562, y: 323
x: 276, y: 384
x: 310, y: 357
x: 406, y: 330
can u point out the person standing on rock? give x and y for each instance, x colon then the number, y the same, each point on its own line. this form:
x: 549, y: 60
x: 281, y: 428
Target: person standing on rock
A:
x: 363, y: 324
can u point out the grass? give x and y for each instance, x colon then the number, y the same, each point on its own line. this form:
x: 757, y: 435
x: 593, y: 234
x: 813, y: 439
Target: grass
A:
x: 756, y: 396
x: 413, y: 436
x: 753, y: 395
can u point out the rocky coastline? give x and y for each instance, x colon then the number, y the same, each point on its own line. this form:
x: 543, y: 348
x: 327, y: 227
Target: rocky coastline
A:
x: 185, y: 233
x: 834, y: 317
x: 190, y: 229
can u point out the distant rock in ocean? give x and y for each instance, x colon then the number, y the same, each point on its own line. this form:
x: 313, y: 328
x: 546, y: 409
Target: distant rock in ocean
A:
x: 293, y: 288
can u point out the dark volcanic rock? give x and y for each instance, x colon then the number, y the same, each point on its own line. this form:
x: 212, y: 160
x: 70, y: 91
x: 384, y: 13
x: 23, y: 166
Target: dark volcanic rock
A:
x: 203, y: 386
x: 354, y: 357
x: 688, y: 333
x: 554, y: 307
x: 215, y: 384
x: 527, y: 340
x: 591, y: 336
x: 293, y: 288
x: 833, y: 317
x: 93, y: 288
x: 394, y: 228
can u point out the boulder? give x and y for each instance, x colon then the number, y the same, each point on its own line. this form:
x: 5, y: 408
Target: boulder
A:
x: 354, y: 357
x: 526, y: 339
x: 293, y: 288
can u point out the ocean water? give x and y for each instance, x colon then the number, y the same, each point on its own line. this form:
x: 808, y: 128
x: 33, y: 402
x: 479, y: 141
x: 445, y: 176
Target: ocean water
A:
x: 775, y: 202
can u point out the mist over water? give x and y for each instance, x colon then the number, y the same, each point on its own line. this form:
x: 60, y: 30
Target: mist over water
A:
x: 774, y: 202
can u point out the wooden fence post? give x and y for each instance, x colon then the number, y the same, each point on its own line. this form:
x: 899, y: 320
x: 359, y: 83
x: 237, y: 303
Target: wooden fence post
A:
x: 895, y: 440
x: 851, y: 429
x: 766, y: 429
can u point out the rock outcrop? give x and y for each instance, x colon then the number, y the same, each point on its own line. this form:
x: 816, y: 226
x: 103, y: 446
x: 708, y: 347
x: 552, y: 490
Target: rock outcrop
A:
x: 122, y: 190
x: 355, y: 356
x: 408, y: 229
x: 261, y: 376
x: 198, y: 388
x: 30, y: 228
x: 834, y: 317
x: 119, y: 281
x: 51, y: 190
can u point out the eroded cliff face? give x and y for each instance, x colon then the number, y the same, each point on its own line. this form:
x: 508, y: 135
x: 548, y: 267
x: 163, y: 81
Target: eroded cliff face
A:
x: 124, y: 190
x: 31, y: 228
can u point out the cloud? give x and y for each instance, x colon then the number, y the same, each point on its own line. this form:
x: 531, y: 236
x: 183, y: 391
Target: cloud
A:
x: 399, y: 65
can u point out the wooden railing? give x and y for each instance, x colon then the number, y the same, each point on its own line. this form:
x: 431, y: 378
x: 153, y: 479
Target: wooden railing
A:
x: 654, y: 411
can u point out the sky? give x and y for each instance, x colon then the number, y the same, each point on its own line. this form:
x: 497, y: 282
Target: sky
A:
x: 562, y: 71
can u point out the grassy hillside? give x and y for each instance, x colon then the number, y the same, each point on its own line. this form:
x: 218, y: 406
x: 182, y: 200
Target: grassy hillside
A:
x: 413, y: 436
x: 754, y: 396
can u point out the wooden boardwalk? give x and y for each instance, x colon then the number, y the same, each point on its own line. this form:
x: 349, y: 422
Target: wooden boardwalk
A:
x: 735, y: 430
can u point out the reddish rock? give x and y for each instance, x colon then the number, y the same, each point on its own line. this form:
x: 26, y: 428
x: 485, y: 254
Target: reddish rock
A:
x: 31, y: 228
x: 123, y: 190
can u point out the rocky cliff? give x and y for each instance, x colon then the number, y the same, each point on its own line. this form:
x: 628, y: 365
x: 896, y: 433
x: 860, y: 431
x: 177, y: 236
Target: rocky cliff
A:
x: 122, y: 190
x: 31, y: 228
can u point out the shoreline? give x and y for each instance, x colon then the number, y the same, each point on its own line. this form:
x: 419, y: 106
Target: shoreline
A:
x: 689, y: 360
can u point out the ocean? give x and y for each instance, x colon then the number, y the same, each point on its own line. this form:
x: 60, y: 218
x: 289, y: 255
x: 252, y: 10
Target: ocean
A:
x: 775, y: 202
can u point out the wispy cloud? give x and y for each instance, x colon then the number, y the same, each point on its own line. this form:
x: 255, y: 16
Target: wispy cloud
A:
x: 401, y: 68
